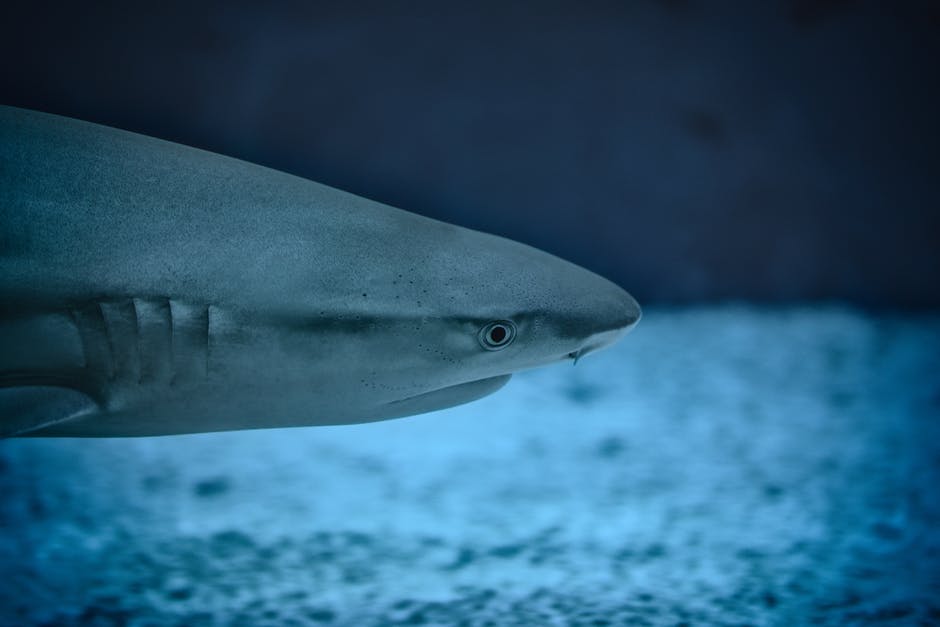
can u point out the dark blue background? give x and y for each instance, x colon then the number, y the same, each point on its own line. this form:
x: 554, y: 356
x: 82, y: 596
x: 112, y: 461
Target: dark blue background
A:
x: 688, y: 150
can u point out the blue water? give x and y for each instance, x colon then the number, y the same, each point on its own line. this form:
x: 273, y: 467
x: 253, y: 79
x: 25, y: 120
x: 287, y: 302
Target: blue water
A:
x: 724, y: 465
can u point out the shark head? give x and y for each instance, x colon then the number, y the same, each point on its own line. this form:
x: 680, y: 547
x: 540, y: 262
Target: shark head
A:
x: 467, y: 310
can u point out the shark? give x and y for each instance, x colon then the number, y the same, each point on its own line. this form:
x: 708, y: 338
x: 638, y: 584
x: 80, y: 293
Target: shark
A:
x: 150, y: 288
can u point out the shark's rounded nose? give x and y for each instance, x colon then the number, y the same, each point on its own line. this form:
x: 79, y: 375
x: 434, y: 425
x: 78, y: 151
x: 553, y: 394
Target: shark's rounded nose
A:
x: 630, y: 311
x: 616, y: 310
x: 618, y: 315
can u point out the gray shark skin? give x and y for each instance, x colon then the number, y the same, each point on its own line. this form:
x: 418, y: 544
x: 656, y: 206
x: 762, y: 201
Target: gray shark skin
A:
x: 149, y: 288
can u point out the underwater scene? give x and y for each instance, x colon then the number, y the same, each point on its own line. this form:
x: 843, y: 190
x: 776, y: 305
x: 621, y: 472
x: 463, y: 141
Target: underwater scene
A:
x: 722, y: 465
x: 217, y: 216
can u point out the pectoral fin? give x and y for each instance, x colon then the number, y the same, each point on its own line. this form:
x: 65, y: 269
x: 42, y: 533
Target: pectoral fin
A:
x: 26, y: 410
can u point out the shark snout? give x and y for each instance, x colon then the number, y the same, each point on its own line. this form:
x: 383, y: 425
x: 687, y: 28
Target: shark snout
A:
x: 631, y: 312
x: 618, y: 314
x: 615, y: 311
x: 626, y: 312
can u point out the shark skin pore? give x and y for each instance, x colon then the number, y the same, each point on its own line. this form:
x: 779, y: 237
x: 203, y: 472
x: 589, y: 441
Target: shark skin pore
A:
x: 150, y: 288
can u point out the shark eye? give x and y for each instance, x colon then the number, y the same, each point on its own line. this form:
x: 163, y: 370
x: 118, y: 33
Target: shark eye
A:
x: 497, y: 335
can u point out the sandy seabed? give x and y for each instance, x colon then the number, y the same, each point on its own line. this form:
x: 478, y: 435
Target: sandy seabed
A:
x: 720, y: 466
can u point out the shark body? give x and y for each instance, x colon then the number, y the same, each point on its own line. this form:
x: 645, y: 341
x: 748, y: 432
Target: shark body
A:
x: 149, y: 288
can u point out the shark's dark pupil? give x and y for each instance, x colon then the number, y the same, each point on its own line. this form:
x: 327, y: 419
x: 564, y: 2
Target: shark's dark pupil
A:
x: 498, y: 334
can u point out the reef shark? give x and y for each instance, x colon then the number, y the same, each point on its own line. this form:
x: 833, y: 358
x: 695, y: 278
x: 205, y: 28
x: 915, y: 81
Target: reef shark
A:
x: 150, y: 288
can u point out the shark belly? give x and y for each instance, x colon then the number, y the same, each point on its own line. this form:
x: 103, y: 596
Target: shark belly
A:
x: 147, y: 366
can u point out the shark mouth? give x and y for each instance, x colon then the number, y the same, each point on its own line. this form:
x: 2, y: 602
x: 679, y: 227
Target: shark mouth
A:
x: 447, y: 396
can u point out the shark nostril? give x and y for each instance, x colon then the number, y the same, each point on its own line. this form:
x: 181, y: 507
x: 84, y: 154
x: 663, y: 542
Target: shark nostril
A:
x: 584, y: 350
